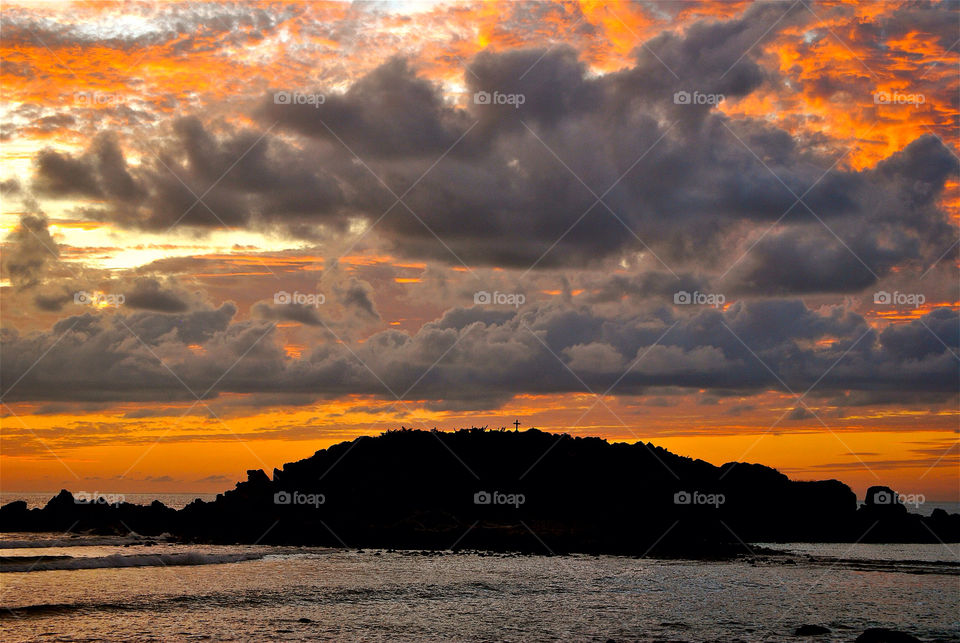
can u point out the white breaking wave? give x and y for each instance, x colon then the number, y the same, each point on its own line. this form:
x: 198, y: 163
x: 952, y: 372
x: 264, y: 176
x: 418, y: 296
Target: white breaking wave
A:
x: 10, y: 564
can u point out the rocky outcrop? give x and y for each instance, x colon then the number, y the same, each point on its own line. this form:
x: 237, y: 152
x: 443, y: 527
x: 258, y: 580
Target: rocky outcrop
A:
x: 67, y: 513
x: 496, y: 489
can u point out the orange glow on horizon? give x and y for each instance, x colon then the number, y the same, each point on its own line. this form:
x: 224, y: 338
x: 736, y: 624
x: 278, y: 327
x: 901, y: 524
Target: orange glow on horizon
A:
x: 831, y: 84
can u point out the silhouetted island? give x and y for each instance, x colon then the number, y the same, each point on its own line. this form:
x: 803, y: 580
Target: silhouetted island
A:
x: 517, y: 490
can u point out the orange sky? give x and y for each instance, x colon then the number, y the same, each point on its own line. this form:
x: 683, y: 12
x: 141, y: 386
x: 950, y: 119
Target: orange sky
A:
x: 127, y: 68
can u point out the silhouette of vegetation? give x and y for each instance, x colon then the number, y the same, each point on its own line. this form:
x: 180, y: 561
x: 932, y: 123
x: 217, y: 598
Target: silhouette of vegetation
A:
x: 507, y: 489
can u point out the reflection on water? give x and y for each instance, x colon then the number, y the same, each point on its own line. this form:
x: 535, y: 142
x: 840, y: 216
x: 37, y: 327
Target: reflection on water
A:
x: 189, y: 591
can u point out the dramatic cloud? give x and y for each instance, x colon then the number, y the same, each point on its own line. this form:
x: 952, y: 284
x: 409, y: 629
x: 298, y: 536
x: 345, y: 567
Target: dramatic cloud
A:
x: 771, y: 345
x: 29, y: 249
x: 724, y: 213
x: 586, y: 168
x: 150, y: 294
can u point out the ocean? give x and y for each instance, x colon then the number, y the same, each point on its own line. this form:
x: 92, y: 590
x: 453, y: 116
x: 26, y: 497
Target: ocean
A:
x: 131, y: 589
x: 35, y: 499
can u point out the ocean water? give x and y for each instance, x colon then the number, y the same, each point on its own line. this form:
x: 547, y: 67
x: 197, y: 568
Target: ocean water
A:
x: 179, y: 500
x: 173, y: 500
x: 127, y: 589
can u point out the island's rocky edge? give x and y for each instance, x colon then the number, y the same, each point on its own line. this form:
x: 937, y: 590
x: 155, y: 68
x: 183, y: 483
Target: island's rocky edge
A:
x: 520, y: 490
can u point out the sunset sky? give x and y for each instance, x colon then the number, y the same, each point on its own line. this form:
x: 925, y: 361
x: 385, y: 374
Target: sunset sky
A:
x: 234, y: 234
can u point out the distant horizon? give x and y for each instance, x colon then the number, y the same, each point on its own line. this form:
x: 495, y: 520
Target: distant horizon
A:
x: 234, y: 234
x: 861, y: 493
x: 237, y: 234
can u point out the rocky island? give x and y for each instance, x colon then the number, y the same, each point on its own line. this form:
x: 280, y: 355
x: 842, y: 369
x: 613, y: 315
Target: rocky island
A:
x: 510, y: 490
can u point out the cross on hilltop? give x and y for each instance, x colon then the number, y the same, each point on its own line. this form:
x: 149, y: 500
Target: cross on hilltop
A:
x: 517, y: 424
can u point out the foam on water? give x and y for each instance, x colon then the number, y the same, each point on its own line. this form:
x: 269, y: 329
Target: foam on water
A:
x: 257, y: 593
x: 11, y: 564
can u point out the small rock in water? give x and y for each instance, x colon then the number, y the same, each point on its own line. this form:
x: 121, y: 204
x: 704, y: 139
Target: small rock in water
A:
x: 811, y: 630
x: 883, y: 635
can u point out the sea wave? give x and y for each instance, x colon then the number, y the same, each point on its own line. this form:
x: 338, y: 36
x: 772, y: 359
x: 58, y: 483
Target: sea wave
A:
x: 10, y: 564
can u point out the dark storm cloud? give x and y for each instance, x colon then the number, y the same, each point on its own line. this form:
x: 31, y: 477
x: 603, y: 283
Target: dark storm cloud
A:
x: 194, y: 178
x: 159, y: 294
x: 799, y: 414
x: 194, y: 327
x: 920, y: 339
x: 391, y: 112
x: 687, y: 182
x: 907, y: 399
x: 358, y: 295
x: 151, y: 294
x: 62, y: 175
x: 114, y: 173
x: 810, y: 260
x: 53, y: 298
x: 655, y: 283
x: 102, y: 171
x: 480, y: 359
x: 9, y: 187
x: 28, y: 250
x: 126, y: 357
